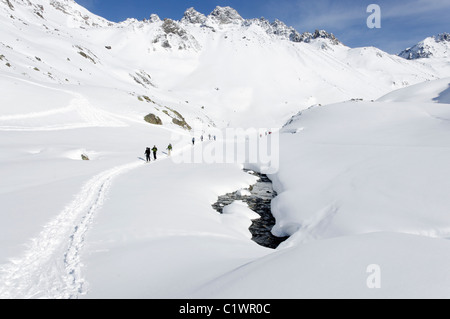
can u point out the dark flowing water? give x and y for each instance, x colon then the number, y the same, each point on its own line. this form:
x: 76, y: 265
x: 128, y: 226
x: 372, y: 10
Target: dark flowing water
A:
x: 259, y: 201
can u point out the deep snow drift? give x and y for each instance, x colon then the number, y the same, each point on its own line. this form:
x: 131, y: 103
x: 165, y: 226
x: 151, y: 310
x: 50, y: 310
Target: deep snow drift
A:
x: 362, y: 185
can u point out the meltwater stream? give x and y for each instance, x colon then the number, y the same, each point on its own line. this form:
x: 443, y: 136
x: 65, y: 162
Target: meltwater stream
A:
x: 259, y: 201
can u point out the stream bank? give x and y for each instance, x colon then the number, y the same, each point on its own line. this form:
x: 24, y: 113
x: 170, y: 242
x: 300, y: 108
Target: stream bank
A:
x: 259, y: 200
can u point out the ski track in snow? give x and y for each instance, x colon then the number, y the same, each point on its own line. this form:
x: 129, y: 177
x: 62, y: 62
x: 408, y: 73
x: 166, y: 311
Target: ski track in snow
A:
x: 51, y: 267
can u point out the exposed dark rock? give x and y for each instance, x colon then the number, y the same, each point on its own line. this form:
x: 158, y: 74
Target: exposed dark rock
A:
x: 9, y: 4
x: 177, y: 118
x: 424, y: 49
x: 260, y: 200
x: 193, y: 16
x: 171, y: 27
x: 153, y: 119
x: 226, y: 15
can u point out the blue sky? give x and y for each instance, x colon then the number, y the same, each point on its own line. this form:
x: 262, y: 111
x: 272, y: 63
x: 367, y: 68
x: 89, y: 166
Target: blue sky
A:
x: 403, y: 22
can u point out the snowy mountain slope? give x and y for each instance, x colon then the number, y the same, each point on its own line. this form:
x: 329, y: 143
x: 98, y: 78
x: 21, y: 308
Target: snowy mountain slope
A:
x: 191, y: 65
x: 68, y: 57
x: 53, y: 13
x: 301, y: 74
x: 434, y: 91
x: 436, y: 47
x: 359, y: 183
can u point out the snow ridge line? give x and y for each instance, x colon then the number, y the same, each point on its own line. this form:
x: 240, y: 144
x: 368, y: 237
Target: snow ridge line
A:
x: 51, y: 266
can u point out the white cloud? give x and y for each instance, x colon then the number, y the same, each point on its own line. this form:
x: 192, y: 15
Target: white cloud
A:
x: 417, y: 8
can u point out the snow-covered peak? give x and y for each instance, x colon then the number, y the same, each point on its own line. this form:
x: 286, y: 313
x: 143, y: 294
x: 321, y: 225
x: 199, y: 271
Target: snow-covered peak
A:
x: 193, y: 16
x: 66, y: 6
x: 307, y: 37
x: 226, y: 15
x: 442, y: 37
x: 435, y: 46
x: 66, y: 12
x: 281, y: 29
x: 80, y: 15
x: 154, y: 18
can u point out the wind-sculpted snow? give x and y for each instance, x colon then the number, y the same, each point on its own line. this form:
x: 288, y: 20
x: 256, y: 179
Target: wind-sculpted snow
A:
x: 444, y: 96
x: 427, y: 92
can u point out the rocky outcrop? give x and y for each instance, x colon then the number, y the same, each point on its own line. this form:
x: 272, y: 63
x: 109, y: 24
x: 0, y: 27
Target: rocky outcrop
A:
x: 436, y: 46
x: 193, y: 16
x: 153, y: 119
x: 258, y: 198
x: 226, y: 15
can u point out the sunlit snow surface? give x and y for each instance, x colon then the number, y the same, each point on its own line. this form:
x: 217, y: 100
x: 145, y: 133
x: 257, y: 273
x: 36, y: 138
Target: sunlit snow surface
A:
x: 359, y: 183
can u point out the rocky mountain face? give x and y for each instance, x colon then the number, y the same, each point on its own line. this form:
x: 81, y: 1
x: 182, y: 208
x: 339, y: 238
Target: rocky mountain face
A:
x: 193, y: 16
x: 228, y: 16
x: 72, y: 12
x: 436, y: 46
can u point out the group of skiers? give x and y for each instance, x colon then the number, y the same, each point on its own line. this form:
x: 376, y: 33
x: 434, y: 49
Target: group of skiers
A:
x: 201, y: 138
x: 169, y: 148
x: 148, y: 152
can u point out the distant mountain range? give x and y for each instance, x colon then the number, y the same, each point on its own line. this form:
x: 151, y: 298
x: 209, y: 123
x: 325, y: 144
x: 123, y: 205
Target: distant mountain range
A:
x: 217, y: 68
x: 435, y: 46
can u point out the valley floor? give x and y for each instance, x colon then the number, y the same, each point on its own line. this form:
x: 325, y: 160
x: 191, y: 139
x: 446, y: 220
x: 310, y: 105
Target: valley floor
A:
x: 362, y: 193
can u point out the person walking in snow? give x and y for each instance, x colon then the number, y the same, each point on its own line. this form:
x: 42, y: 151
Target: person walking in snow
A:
x: 154, y: 149
x: 147, y: 154
x: 193, y: 141
x: 169, y: 149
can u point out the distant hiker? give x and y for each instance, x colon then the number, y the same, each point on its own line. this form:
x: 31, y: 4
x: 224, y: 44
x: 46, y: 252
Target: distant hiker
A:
x: 169, y: 148
x: 193, y: 141
x: 147, y: 154
x: 209, y: 137
x: 201, y: 138
x: 154, y: 149
x: 214, y: 137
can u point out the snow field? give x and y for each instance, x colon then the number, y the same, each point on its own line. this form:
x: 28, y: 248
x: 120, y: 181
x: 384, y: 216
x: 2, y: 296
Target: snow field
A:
x: 361, y: 185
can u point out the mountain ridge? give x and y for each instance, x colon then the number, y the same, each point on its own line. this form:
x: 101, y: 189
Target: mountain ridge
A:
x: 434, y: 46
x: 229, y: 16
x: 220, y: 68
